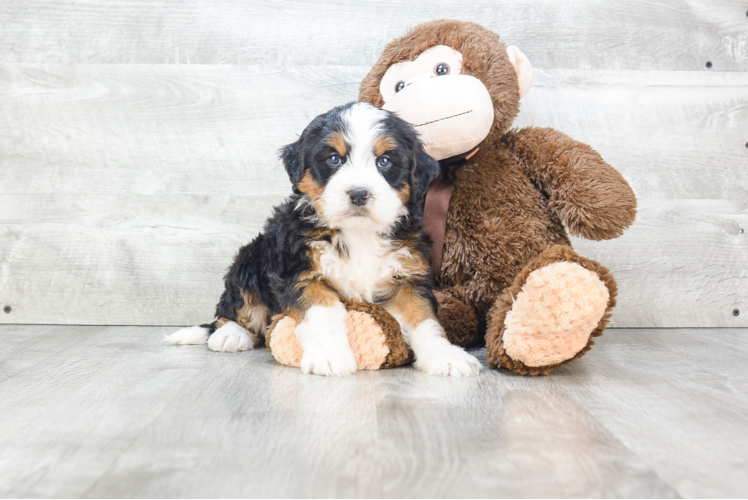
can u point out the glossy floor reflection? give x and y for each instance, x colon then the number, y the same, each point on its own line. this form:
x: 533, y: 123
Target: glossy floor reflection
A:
x: 110, y: 412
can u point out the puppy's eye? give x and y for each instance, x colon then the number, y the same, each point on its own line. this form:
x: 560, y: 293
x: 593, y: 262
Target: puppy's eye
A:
x: 334, y: 160
x: 399, y: 86
x: 384, y: 162
x: 441, y: 69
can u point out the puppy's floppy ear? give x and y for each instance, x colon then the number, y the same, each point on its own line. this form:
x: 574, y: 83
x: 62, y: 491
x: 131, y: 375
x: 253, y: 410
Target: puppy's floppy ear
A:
x: 425, y: 170
x: 292, y: 162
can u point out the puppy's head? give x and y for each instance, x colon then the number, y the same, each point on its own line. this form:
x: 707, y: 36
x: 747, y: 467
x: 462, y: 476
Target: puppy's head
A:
x: 360, y: 166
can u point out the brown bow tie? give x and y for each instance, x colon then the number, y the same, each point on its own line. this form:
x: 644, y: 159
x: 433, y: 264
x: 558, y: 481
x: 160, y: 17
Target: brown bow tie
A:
x: 437, y: 205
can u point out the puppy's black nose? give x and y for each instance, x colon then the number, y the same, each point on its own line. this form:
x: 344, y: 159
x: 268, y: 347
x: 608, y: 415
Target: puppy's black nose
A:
x: 359, y: 196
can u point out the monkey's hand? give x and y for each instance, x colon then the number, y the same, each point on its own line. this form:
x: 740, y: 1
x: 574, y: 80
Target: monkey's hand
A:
x: 591, y: 197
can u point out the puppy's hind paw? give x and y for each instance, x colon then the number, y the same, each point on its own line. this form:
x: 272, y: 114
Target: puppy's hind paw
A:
x: 231, y: 337
x: 187, y: 336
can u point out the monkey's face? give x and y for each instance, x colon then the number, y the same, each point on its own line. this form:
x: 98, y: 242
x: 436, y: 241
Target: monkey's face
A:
x: 454, y: 81
x: 452, y: 112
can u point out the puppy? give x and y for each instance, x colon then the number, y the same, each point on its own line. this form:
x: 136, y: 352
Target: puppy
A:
x: 352, y: 229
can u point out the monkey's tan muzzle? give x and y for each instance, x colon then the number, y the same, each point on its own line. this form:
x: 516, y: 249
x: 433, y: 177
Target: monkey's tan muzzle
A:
x: 452, y: 113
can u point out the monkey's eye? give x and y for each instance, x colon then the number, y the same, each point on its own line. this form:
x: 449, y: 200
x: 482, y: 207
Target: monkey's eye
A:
x: 384, y: 162
x: 334, y: 160
x: 441, y: 69
x: 399, y: 86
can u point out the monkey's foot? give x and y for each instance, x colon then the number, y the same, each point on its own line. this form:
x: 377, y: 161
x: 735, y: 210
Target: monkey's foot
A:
x: 551, y: 320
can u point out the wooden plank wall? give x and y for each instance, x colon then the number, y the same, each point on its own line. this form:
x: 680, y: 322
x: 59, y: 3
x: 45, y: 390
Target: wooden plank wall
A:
x: 138, y: 140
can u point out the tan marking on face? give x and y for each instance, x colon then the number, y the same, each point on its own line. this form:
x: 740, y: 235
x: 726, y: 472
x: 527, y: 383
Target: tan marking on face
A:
x: 312, y: 188
x: 404, y: 194
x: 383, y: 144
x: 337, y: 142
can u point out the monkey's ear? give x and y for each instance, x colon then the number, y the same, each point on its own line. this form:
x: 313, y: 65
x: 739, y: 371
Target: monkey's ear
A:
x: 292, y: 162
x: 425, y: 170
x: 522, y: 67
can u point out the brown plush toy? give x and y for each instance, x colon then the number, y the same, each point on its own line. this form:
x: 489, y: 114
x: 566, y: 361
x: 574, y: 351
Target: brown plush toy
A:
x: 374, y: 335
x: 505, y: 270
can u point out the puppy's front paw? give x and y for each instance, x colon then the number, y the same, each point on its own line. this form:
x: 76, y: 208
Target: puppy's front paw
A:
x: 323, y: 336
x: 447, y: 360
x: 231, y: 337
x: 329, y: 362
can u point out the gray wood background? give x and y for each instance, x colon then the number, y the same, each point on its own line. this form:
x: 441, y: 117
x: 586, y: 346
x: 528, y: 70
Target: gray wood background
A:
x: 138, y: 140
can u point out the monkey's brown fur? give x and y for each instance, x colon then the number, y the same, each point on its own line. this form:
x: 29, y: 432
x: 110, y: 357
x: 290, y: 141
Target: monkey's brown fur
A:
x: 510, y: 202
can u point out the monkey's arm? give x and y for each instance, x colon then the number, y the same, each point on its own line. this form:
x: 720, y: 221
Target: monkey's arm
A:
x: 591, y: 197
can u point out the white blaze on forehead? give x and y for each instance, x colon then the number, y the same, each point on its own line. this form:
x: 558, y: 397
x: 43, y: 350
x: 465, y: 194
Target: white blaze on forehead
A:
x: 363, y: 125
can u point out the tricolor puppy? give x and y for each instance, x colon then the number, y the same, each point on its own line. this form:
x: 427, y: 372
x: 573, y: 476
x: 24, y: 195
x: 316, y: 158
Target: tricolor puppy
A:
x: 352, y: 229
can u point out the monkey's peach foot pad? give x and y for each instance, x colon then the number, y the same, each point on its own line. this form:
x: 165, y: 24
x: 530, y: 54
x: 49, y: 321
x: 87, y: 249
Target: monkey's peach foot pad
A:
x: 554, y: 314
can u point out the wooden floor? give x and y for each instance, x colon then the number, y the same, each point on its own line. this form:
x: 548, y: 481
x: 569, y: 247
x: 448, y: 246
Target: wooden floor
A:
x: 110, y: 412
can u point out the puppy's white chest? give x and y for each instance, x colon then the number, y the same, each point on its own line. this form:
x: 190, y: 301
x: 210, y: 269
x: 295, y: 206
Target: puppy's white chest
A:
x: 368, y: 266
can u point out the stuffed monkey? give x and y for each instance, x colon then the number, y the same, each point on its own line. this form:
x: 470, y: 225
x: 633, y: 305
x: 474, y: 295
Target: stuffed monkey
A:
x: 505, y: 270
